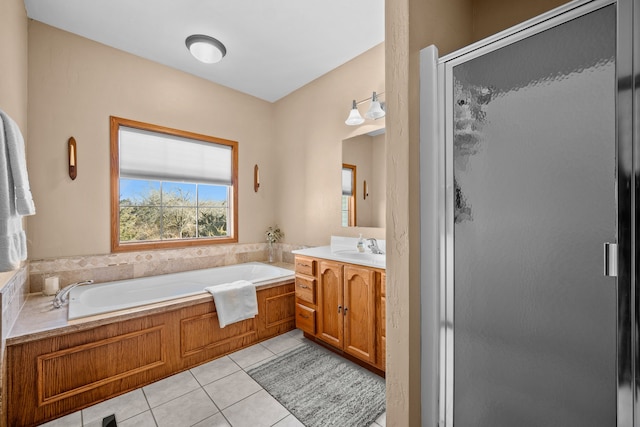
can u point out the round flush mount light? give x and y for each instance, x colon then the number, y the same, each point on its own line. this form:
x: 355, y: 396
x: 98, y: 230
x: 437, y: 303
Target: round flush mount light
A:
x: 205, y: 49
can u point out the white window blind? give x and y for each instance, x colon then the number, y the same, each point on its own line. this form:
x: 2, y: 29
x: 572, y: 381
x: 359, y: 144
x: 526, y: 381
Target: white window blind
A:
x: 347, y: 182
x: 157, y: 156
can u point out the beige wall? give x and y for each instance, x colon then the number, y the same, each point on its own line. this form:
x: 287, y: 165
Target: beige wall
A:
x: 378, y: 190
x: 13, y: 65
x: 357, y: 151
x: 309, y: 132
x: 75, y: 85
x: 492, y: 16
x: 367, y: 153
x: 410, y: 26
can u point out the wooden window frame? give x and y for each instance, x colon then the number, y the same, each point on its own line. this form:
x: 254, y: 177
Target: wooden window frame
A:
x: 116, y: 244
x: 352, y: 198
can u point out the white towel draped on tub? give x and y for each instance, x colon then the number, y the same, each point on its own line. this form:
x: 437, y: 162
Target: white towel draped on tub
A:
x: 234, y: 301
x: 15, y: 195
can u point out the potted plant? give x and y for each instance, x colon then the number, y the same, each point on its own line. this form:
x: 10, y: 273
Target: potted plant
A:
x: 273, y: 236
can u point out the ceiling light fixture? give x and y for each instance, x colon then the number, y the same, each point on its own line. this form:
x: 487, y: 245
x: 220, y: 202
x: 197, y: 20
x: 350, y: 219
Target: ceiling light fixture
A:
x: 375, y: 112
x: 205, y: 49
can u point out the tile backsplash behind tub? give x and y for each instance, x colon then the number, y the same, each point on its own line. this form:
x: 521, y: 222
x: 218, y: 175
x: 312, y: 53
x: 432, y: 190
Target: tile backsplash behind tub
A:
x: 129, y: 265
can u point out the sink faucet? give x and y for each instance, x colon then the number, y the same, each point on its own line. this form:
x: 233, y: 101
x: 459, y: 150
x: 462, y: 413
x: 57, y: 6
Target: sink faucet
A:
x: 62, y: 294
x: 373, y: 245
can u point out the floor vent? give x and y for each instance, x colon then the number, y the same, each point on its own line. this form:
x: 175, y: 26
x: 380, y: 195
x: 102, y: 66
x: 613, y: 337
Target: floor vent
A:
x: 109, y: 421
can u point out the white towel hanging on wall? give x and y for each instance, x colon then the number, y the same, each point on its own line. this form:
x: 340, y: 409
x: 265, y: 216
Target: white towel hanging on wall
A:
x: 15, y: 194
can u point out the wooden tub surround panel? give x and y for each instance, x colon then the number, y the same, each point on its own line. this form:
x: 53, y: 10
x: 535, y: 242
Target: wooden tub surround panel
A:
x: 201, y: 333
x: 56, y: 375
x: 92, y: 359
x: 279, y: 310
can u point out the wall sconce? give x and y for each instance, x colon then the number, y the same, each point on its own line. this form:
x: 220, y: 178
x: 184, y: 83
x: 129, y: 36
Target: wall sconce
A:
x: 256, y: 178
x: 73, y: 158
x: 375, y: 112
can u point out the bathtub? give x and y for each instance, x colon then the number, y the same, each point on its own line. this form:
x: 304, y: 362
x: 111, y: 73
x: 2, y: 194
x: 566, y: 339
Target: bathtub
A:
x: 89, y: 300
x: 72, y: 363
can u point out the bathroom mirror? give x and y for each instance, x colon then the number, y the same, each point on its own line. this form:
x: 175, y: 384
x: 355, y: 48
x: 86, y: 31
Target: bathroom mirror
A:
x: 364, y: 180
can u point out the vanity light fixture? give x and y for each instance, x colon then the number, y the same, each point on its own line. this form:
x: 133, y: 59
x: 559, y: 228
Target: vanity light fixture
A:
x: 205, y: 48
x: 375, y: 112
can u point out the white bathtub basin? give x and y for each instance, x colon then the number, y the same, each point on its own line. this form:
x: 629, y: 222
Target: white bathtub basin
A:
x: 89, y: 300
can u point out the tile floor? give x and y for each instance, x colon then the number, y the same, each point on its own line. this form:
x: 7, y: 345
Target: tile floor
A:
x: 217, y: 394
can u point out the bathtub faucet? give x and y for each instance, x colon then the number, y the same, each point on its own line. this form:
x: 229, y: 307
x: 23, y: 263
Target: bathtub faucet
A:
x: 63, y: 294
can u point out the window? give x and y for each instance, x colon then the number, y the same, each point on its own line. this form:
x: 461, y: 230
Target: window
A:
x: 348, y: 195
x: 171, y: 188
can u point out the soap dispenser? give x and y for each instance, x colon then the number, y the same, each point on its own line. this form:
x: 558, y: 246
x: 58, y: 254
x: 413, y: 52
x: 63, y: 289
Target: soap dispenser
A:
x: 360, y: 244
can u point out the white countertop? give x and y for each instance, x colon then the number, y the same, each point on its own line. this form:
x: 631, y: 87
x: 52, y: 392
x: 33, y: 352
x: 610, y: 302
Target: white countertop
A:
x: 344, y: 250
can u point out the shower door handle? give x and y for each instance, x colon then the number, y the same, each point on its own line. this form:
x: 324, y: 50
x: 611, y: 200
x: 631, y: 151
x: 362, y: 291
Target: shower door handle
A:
x: 611, y: 259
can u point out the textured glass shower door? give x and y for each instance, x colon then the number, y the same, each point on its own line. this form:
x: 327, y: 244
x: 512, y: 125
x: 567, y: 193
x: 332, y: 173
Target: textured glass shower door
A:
x: 533, y: 164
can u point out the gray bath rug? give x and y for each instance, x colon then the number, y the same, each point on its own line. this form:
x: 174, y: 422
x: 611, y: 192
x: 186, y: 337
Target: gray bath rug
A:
x: 321, y: 389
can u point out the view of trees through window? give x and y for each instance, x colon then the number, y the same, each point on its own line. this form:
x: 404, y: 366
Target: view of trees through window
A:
x: 164, y: 210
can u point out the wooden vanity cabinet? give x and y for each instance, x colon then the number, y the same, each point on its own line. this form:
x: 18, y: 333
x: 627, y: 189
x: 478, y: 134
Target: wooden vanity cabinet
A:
x: 382, y: 348
x: 305, y: 286
x: 360, y: 312
x: 331, y: 303
x: 347, y: 306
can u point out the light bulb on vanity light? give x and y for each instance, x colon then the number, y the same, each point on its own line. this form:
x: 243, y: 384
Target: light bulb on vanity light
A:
x: 354, y: 118
x: 375, y: 109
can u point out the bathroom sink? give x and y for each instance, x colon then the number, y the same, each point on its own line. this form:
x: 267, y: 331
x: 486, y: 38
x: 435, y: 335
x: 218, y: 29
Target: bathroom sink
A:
x: 349, y: 255
x: 343, y: 249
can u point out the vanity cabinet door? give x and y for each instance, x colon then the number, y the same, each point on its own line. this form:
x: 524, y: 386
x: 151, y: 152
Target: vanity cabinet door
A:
x: 382, y: 350
x: 360, y: 312
x: 330, y: 303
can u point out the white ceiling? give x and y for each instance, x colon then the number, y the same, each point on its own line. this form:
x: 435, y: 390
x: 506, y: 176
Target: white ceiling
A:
x: 273, y: 46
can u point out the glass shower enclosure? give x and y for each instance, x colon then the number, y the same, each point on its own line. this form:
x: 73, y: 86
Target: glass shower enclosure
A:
x: 534, y: 270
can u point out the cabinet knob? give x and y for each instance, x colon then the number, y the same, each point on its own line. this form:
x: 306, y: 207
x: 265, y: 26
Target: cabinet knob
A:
x: 345, y: 311
x: 339, y: 309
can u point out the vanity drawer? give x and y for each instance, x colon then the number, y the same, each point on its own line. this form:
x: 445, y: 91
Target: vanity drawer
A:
x: 383, y: 316
x: 306, y: 319
x: 306, y: 289
x: 305, y: 266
